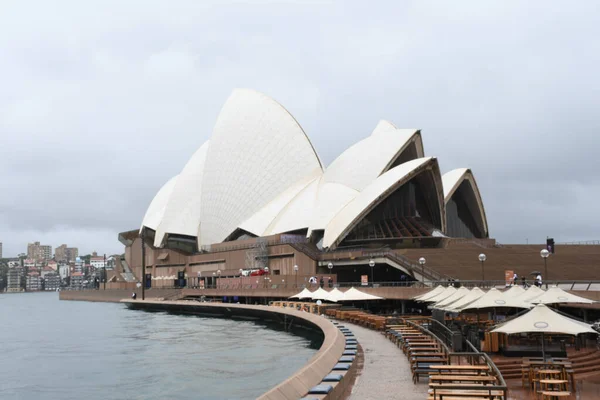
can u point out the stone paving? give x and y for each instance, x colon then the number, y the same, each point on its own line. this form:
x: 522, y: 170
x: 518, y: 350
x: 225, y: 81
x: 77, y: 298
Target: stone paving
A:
x: 386, y: 371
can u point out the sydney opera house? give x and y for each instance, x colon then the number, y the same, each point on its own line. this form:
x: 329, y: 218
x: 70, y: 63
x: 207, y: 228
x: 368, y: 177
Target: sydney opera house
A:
x: 256, y: 195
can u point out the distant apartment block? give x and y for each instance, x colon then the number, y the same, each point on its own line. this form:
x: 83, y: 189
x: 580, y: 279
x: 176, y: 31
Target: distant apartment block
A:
x: 52, y: 282
x: 78, y: 266
x: 14, y: 279
x: 34, y: 282
x: 97, y: 262
x: 0, y: 249
x: 39, y: 251
x: 64, y: 271
x: 76, y: 280
x: 64, y: 253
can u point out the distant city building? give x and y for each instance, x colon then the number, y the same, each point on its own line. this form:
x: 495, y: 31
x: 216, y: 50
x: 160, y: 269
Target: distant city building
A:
x: 52, y: 281
x: 64, y: 271
x: 52, y: 264
x: 39, y: 252
x: 34, y: 282
x: 0, y: 249
x: 78, y: 267
x: 14, y: 279
x: 64, y: 253
x: 46, y: 270
x: 31, y: 263
x: 76, y: 280
x: 97, y: 262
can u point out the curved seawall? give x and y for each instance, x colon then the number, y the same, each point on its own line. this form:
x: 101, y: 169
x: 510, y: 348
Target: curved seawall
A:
x: 310, y: 375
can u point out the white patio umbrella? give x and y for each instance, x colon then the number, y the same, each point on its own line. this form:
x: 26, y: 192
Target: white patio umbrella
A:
x: 495, y: 299
x: 541, y: 319
x: 434, y: 292
x: 449, y: 291
x: 320, y: 294
x: 473, y: 295
x: 531, y: 293
x: 335, y: 295
x: 556, y: 295
x: 353, y: 294
x: 460, y: 293
x: 304, y: 294
x: 514, y: 291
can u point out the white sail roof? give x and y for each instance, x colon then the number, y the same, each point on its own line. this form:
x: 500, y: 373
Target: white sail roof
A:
x: 260, y: 174
x: 372, y: 195
x: 452, y: 180
x: 156, y: 210
x: 542, y: 319
x: 258, y: 224
x: 182, y: 212
x: 257, y: 151
x: 383, y: 126
x: 366, y: 160
x: 555, y: 295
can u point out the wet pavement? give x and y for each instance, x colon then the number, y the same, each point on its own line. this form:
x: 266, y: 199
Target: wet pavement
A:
x: 386, y: 371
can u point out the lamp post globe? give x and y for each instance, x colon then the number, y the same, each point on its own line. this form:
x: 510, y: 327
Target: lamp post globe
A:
x: 545, y: 254
x: 422, y: 262
x: 482, y: 258
x: 139, y: 285
x: 372, y: 265
x: 266, y: 269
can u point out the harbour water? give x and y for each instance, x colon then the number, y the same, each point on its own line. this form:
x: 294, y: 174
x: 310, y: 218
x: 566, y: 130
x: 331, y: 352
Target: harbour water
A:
x: 60, y: 350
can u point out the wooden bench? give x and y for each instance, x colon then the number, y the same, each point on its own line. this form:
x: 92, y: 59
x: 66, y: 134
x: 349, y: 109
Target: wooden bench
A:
x: 550, y: 394
x: 470, y: 393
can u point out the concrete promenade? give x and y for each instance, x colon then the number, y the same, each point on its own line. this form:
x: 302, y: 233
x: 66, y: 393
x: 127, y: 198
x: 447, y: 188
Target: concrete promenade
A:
x: 386, y: 371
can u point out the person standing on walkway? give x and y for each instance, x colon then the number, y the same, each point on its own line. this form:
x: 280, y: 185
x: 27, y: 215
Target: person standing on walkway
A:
x: 515, y: 277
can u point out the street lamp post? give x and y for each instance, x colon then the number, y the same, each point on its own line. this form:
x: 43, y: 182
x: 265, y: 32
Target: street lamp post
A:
x: 545, y: 254
x: 422, y: 262
x: 372, y: 265
x: 104, y: 271
x: 482, y: 258
x: 143, y: 277
x: 138, y: 285
x: 218, y: 278
x: 296, y: 275
x: 215, y: 279
x: 266, y: 269
x: 241, y: 281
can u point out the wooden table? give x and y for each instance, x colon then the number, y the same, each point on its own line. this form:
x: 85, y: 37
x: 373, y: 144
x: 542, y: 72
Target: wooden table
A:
x: 561, y: 385
x: 462, y: 378
x: 458, y: 368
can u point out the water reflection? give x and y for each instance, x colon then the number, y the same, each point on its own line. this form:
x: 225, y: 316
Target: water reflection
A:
x: 69, y: 350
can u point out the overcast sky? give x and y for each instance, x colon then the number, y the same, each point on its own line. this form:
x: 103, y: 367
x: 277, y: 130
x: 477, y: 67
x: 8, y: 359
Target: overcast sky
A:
x: 101, y: 102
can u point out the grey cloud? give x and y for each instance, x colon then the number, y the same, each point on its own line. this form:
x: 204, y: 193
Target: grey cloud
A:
x: 102, y: 102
